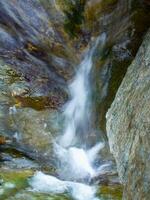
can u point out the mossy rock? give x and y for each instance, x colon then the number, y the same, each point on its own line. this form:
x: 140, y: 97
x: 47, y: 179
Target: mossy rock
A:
x: 110, y: 192
x: 26, y: 195
x: 14, y: 186
x: 13, y: 181
x: 94, y: 11
x: 74, y: 16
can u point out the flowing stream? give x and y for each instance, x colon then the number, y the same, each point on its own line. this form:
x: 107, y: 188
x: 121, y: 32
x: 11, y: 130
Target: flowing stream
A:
x: 76, y: 162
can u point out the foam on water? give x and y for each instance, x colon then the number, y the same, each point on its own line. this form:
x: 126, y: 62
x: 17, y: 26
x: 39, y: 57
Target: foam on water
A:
x: 92, y: 153
x: 49, y: 184
x: 81, y: 191
x: 77, y: 163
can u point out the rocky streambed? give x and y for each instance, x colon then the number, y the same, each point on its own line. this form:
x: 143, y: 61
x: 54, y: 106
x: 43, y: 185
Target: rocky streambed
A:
x: 16, y: 170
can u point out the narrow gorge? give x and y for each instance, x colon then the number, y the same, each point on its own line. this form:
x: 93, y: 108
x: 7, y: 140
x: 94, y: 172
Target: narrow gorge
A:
x: 74, y: 99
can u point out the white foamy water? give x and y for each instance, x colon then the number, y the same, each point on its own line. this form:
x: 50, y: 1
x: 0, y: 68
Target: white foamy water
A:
x: 77, y: 109
x: 92, y: 153
x: 49, y: 184
x: 75, y: 161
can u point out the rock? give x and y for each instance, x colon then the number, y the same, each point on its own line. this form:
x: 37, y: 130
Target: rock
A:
x: 13, y: 181
x: 34, y: 131
x: 36, y: 60
x: 6, y: 75
x: 33, y: 45
x: 19, y: 88
x: 25, y: 119
x: 128, y: 126
x: 7, y: 41
x: 113, y: 192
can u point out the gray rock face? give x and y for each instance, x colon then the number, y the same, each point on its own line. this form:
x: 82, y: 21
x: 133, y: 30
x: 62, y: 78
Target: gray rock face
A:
x: 128, y: 126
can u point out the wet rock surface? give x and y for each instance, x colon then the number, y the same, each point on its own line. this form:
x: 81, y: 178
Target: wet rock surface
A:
x: 128, y: 126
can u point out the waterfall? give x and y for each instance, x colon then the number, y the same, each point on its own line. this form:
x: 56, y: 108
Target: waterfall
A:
x: 77, y: 109
x: 76, y: 161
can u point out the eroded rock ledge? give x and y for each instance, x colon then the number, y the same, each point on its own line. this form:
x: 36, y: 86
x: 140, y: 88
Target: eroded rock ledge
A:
x: 128, y: 126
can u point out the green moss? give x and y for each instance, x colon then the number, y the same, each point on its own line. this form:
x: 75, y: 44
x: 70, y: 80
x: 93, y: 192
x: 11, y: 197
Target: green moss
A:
x: 16, y: 177
x: 74, y: 17
x: 25, y: 195
x: 94, y: 11
x: 113, y: 192
x: 19, y: 178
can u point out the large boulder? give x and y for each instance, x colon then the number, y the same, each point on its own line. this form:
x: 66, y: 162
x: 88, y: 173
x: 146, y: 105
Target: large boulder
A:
x: 29, y: 122
x: 128, y: 126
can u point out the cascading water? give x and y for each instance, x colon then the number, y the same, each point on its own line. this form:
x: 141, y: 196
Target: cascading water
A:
x: 76, y: 162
